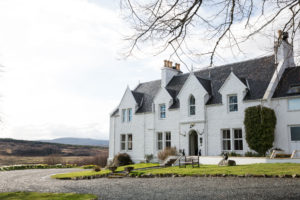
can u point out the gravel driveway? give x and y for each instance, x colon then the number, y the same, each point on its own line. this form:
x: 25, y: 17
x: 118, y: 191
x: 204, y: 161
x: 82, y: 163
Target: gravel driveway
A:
x: 153, y: 188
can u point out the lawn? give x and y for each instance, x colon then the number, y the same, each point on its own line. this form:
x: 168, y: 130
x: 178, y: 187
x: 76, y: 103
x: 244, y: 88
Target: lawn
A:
x: 254, y: 169
x: 102, y: 172
x: 45, y: 196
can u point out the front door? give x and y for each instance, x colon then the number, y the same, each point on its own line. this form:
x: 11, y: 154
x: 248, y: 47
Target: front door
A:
x: 193, y: 143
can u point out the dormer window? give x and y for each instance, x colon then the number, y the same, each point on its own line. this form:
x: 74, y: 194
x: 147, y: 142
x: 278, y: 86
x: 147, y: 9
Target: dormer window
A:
x: 232, y: 103
x: 192, y: 105
x: 162, y: 109
x: 129, y: 114
x: 123, y: 115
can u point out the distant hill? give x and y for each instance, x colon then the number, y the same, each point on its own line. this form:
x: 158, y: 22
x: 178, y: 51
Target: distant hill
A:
x: 78, y: 141
x: 12, y: 147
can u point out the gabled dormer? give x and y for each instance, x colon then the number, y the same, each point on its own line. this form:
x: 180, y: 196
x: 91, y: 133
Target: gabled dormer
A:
x: 130, y: 103
x: 193, y: 96
x: 233, y: 91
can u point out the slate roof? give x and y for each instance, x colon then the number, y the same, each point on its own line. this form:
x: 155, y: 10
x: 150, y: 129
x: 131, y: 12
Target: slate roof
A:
x: 290, y: 77
x: 138, y: 97
x: 255, y: 73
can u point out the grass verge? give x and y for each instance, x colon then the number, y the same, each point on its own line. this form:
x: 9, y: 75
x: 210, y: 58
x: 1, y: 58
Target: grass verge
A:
x: 45, y: 196
x: 253, y: 169
x: 87, y: 174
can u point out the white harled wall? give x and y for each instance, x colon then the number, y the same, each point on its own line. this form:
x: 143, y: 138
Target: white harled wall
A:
x: 209, y: 120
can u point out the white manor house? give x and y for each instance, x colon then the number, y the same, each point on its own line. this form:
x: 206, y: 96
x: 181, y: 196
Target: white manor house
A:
x: 204, y: 110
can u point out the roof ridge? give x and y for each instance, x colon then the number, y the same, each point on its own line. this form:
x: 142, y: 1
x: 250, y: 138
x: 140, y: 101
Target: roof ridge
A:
x: 233, y: 63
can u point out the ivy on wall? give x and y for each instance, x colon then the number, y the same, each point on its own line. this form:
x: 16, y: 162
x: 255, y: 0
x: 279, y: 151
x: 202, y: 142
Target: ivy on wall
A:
x: 260, y: 125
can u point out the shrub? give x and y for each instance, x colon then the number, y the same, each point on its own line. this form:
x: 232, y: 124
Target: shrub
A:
x: 53, y: 160
x: 122, y: 159
x: 148, y: 157
x: 169, y: 151
x: 88, y: 166
x: 128, y: 169
x: 260, y: 125
x: 252, y: 154
x: 234, y: 154
x: 97, y: 169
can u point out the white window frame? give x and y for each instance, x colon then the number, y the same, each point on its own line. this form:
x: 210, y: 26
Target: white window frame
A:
x: 124, y: 115
x: 229, y: 103
x: 192, y: 105
x: 226, y: 139
x: 160, y: 141
x: 168, y: 139
x: 123, y: 142
x: 237, y: 139
x: 129, y: 142
x: 290, y: 127
x: 129, y: 114
x: 288, y: 102
x: 162, y: 111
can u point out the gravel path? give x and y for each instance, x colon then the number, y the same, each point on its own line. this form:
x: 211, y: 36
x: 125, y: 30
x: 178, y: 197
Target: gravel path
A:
x: 153, y: 188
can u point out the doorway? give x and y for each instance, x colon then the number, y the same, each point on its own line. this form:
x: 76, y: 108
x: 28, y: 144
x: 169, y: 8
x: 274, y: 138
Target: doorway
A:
x: 193, y: 143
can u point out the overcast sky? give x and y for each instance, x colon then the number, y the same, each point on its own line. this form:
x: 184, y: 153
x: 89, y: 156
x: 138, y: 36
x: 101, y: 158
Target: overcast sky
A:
x: 62, y: 71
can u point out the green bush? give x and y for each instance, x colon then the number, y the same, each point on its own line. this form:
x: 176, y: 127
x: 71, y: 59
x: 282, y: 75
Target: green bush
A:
x: 88, y: 166
x: 234, y: 154
x: 97, y: 169
x: 260, y: 125
x: 252, y: 154
x: 122, y: 159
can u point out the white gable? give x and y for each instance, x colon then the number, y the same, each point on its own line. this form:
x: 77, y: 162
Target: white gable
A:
x: 191, y: 85
x: 163, y: 96
x: 232, y: 83
x: 128, y: 100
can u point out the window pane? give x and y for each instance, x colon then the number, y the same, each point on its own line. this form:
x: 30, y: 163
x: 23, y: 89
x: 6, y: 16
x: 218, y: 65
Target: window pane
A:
x: 226, y: 134
x: 295, y: 133
x: 192, y: 110
x: 168, y: 144
x: 129, y: 114
x: 168, y: 136
x: 123, y: 115
x: 237, y: 133
x: 163, y: 111
x: 159, y: 146
x: 192, y: 100
x: 233, y: 99
x: 123, y: 138
x: 129, y: 142
x: 159, y: 136
x: 294, y: 104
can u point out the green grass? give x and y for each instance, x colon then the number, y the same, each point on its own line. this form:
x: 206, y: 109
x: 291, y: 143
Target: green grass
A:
x: 102, y: 172
x: 254, y: 169
x: 45, y: 196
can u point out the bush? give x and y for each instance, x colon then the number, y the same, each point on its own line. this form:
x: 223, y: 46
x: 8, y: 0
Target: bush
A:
x: 252, y: 154
x: 260, y: 125
x: 234, y: 154
x: 122, y: 159
x: 88, y: 166
x: 97, y: 169
x: 148, y: 158
x: 169, y: 151
x: 53, y: 160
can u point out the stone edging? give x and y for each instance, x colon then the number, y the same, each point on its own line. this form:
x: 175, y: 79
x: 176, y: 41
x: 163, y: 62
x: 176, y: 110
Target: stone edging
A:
x: 176, y: 175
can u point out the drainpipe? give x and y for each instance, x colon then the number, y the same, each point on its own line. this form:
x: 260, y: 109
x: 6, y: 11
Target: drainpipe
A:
x: 206, y: 130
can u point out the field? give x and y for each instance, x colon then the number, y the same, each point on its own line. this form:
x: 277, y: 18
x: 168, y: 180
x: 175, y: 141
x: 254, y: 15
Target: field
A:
x: 14, y: 152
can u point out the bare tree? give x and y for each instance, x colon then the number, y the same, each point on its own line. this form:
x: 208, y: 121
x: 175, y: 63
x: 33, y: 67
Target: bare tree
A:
x: 170, y: 22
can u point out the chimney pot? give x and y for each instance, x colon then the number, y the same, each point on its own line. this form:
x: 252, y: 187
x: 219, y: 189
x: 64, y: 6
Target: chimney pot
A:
x: 177, y: 66
x: 166, y: 63
x: 170, y: 64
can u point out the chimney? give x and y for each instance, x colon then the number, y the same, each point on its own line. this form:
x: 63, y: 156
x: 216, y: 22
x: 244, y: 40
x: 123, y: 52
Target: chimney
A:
x: 284, y: 50
x: 168, y: 72
x: 284, y: 58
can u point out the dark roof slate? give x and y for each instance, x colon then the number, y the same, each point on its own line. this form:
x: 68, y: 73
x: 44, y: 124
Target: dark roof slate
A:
x: 257, y: 72
x: 149, y: 90
x: 138, y: 97
x: 290, y: 77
